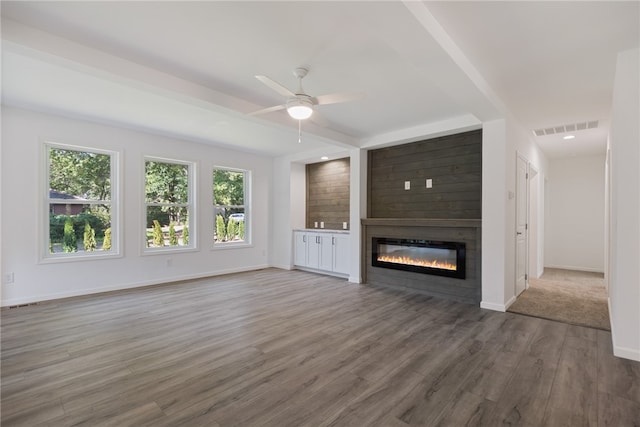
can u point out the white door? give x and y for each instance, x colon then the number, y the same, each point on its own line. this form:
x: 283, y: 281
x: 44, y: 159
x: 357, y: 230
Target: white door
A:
x: 300, y: 249
x: 326, y: 252
x: 522, y: 203
x: 341, y: 253
x: 313, y: 250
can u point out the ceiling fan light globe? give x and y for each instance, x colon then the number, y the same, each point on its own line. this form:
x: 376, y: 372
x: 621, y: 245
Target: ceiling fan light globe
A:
x: 299, y: 109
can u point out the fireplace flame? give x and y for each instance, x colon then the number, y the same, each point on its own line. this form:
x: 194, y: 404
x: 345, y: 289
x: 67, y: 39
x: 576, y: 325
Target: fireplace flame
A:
x: 417, y: 262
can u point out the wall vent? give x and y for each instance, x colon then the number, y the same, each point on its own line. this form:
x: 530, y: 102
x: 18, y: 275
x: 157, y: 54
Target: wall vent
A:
x: 571, y: 127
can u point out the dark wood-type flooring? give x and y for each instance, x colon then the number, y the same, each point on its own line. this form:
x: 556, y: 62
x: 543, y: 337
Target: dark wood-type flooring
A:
x: 290, y: 348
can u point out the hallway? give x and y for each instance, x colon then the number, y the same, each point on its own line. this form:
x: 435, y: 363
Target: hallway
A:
x: 573, y: 297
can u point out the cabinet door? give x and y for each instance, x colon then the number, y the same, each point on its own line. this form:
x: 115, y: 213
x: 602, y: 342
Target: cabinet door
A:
x: 300, y: 249
x: 313, y: 250
x: 341, y: 253
x: 325, y: 261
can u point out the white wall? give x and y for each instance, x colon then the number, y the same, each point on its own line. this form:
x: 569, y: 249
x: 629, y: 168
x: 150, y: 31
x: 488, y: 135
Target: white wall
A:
x: 494, y: 212
x: 22, y: 135
x: 288, y: 209
x: 624, y: 255
x: 575, y: 222
x: 502, y: 141
x: 358, y: 210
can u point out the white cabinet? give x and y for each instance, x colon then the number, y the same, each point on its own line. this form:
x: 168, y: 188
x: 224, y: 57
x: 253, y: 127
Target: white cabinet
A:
x: 324, y: 251
x: 341, y: 253
x: 300, y: 248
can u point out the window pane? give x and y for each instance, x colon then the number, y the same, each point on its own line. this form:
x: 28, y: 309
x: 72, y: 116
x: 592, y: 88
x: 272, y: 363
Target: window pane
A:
x: 167, y: 226
x: 228, y: 187
x: 166, y: 182
x: 79, y: 228
x: 79, y: 175
x: 229, y: 211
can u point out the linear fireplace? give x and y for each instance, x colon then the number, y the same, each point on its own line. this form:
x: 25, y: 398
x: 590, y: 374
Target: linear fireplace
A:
x: 420, y: 256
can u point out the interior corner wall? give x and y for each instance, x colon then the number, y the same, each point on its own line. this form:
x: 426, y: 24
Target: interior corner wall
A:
x: 280, y: 215
x: 502, y: 141
x: 575, y: 222
x: 358, y: 210
x: 494, y: 211
x: 624, y: 256
x: 23, y: 133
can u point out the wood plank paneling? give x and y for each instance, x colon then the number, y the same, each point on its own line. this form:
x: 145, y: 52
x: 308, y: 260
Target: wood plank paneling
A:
x: 328, y: 186
x: 453, y: 163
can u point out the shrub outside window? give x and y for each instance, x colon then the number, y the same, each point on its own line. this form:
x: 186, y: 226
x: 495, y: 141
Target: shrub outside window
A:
x: 80, y: 202
x: 231, y: 211
x: 169, y: 212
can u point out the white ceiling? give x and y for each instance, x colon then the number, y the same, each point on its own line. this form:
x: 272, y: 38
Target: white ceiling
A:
x: 187, y: 68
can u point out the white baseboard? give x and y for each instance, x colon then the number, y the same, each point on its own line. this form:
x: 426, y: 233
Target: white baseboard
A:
x: 497, y: 307
x: 160, y: 281
x: 618, y: 351
x: 574, y: 268
x: 283, y: 267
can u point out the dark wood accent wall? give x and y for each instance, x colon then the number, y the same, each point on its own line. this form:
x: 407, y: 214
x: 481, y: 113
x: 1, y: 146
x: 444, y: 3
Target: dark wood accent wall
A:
x: 328, y: 193
x: 454, y: 163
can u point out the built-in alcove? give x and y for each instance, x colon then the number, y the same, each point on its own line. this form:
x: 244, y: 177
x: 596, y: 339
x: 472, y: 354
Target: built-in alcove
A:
x: 327, y: 194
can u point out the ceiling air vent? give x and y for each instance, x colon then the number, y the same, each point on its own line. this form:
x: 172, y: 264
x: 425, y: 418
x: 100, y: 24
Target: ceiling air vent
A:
x: 571, y: 127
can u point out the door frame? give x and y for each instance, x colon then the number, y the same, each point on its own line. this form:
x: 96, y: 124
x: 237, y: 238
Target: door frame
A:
x: 525, y: 231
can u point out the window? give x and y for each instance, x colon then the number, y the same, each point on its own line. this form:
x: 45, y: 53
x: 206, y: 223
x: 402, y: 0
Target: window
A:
x: 80, y: 202
x: 169, y: 212
x: 231, y: 213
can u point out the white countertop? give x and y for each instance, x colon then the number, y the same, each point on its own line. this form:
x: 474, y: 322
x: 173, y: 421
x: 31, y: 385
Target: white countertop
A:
x: 322, y: 230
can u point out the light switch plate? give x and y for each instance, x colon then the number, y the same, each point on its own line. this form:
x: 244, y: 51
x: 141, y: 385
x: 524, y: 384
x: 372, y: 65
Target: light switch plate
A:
x: 321, y: 224
x: 315, y: 224
x: 344, y: 225
x: 429, y: 183
x: 407, y: 185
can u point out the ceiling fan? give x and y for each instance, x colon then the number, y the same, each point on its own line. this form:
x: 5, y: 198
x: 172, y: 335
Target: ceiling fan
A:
x: 299, y: 105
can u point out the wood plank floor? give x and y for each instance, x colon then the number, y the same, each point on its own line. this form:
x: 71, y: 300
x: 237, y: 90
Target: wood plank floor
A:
x: 290, y: 348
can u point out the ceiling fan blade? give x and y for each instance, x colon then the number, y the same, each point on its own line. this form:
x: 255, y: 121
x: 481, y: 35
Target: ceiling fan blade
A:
x: 335, y: 98
x: 276, y: 86
x: 268, y: 110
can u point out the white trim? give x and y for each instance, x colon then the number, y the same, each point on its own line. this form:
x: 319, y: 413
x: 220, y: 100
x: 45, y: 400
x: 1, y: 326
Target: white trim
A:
x: 624, y: 352
x: 164, y: 281
x: 192, y: 170
x: 44, y: 202
x: 574, y: 268
x: 324, y: 272
x: 497, y: 307
x: 221, y: 246
x: 247, y: 183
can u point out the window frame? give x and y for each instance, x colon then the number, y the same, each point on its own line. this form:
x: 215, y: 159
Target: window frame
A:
x: 191, y: 206
x: 44, y: 233
x: 247, y: 183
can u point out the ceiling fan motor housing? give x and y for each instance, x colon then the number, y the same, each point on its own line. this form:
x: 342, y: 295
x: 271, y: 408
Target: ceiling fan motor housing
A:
x: 300, y: 107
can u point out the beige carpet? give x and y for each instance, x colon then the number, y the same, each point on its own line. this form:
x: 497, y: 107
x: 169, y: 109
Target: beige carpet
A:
x: 577, y: 298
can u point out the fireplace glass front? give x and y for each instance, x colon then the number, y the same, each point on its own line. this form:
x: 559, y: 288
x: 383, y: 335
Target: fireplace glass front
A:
x: 420, y: 256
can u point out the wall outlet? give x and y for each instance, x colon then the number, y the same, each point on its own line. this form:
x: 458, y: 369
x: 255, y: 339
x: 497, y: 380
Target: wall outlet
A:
x: 344, y: 225
x: 8, y: 278
x: 429, y: 183
x: 321, y: 224
x: 315, y: 224
x: 407, y: 185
